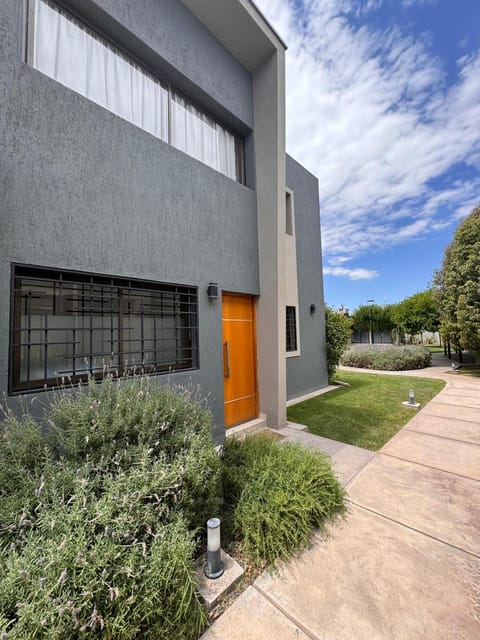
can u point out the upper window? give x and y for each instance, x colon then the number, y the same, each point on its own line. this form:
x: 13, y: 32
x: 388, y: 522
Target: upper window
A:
x: 291, y: 329
x: 77, y: 57
x: 67, y: 326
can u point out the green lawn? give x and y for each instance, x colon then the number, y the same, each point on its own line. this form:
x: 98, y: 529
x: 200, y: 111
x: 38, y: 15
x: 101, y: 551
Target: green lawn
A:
x: 366, y: 414
x: 434, y: 348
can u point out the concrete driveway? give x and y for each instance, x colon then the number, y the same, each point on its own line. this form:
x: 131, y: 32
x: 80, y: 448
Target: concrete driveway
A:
x: 405, y: 562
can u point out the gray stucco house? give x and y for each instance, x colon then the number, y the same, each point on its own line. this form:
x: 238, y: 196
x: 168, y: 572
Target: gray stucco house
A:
x: 149, y: 215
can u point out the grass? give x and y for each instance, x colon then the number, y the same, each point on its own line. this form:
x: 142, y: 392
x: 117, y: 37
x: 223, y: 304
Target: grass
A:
x: 470, y: 370
x: 434, y: 348
x: 368, y: 412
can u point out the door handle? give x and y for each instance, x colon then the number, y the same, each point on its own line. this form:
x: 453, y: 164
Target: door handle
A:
x: 227, y: 359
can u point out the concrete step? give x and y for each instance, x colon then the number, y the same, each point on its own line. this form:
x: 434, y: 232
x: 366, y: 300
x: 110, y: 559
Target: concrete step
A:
x: 247, y: 428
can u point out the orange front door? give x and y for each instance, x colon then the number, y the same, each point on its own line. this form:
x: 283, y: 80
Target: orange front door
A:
x: 239, y: 359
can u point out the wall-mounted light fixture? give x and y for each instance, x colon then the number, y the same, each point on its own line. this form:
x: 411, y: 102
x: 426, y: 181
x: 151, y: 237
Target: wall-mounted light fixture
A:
x: 313, y: 309
x: 212, y: 291
x: 214, y: 566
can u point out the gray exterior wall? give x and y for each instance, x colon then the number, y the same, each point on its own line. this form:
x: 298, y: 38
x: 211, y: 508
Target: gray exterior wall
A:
x: 82, y: 189
x: 307, y: 372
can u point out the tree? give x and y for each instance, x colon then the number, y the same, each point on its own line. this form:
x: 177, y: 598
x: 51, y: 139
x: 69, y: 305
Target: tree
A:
x: 339, y: 334
x: 368, y: 317
x: 458, y: 286
x: 417, y: 313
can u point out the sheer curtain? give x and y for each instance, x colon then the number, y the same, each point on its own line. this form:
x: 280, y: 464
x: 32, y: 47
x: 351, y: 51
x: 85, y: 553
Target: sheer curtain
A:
x: 201, y: 137
x: 69, y: 53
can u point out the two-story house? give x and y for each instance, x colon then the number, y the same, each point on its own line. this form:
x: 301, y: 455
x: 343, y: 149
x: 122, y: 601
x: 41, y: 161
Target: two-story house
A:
x: 149, y: 215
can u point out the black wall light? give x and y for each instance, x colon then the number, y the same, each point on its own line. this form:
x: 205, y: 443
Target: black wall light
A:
x: 212, y: 291
x: 313, y: 309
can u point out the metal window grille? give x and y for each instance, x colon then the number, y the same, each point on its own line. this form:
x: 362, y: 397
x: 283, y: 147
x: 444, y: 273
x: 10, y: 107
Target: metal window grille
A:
x: 68, y: 326
x: 291, y: 329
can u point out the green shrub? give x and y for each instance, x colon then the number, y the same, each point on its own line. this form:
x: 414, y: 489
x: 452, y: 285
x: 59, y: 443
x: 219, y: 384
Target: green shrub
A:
x: 277, y: 495
x: 390, y: 359
x: 338, y: 330
x: 98, y: 519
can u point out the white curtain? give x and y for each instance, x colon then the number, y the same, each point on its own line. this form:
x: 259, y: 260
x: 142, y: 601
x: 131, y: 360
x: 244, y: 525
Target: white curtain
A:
x: 201, y: 137
x: 67, y: 52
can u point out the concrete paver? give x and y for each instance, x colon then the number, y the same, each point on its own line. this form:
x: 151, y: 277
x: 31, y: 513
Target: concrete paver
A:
x: 405, y: 562
x: 452, y: 397
x: 445, y: 427
x: 453, y: 411
x: 443, y: 505
x: 253, y: 617
x: 376, y: 580
x: 440, y: 453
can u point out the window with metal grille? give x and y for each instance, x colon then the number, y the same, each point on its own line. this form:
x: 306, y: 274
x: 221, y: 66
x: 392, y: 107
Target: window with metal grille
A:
x: 67, y: 326
x: 291, y: 329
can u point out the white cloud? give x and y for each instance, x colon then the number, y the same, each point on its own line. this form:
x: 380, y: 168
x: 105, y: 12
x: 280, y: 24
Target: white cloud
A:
x: 353, y: 274
x: 372, y: 115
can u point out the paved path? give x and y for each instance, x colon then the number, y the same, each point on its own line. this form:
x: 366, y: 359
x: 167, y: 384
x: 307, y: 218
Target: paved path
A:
x: 405, y: 563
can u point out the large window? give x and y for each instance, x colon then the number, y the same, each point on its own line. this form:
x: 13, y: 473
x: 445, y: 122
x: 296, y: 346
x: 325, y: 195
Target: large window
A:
x: 77, y: 57
x: 67, y: 326
x: 291, y: 329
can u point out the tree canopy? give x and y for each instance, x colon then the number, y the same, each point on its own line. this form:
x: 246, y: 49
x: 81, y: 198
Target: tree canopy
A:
x: 417, y: 313
x: 458, y: 286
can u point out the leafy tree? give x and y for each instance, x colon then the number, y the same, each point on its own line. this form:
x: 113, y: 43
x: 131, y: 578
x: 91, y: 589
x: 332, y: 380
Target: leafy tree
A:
x: 417, y: 313
x: 458, y: 286
x: 339, y: 335
x: 366, y: 315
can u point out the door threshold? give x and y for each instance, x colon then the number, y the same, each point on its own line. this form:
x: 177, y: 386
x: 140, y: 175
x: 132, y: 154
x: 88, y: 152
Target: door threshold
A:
x: 249, y: 427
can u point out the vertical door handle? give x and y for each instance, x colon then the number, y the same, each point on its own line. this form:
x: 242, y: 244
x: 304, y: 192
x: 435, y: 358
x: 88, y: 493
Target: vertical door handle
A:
x: 227, y: 359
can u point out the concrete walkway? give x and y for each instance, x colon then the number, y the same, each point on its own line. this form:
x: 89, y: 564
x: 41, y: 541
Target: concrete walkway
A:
x: 405, y: 562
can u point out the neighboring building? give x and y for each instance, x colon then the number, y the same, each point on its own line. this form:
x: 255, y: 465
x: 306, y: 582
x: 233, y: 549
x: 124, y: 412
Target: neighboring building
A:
x: 143, y: 164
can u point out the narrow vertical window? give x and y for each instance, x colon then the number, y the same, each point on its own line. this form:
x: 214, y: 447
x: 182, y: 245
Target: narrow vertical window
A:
x: 288, y: 214
x: 291, y: 327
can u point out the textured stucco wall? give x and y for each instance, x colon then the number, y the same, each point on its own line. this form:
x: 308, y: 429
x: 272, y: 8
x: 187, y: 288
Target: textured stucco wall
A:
x: 307, y: 372
x: 82, y: 189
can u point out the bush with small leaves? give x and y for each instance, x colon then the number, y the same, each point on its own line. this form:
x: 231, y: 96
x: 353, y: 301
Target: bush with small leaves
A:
x: 99, y: 518
x: 389, y: 359
x: 277, y: 495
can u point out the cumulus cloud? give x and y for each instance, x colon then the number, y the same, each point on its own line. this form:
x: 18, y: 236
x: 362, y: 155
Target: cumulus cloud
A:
x: 352, y: 274
x: 372, y: 115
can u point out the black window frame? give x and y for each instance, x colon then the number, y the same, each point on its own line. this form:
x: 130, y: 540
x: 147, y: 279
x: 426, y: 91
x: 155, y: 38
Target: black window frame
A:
x: 291, y: 329
x: 116, y: 298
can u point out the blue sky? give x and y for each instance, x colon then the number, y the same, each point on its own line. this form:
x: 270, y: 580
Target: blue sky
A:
x: 383, y: 105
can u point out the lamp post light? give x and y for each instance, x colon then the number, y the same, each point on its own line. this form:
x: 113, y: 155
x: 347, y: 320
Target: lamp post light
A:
x: 372, y: 339
x: 411, y: 396
x: 214, y: 566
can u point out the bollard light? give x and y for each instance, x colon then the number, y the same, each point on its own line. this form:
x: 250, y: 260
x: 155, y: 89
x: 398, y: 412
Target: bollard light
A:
x: 411, y: 396
x: 214, y: 566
